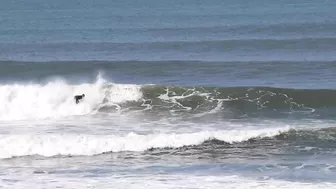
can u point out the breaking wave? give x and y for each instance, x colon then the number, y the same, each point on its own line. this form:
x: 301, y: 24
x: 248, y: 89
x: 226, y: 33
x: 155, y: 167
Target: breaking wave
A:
x: 272, y: 140
x: 54, y: 99
x: 53, y: 145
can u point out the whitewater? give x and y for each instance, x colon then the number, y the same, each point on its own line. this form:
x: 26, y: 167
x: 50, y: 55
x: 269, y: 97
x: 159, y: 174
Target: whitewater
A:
x: 229, y: 135
x: 159, y: 126
x: 55, y: 98
x: 178, y: 94
x: 53, y: 145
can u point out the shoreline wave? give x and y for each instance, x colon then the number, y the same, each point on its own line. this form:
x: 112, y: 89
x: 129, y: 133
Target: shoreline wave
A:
x: 50, y: 145
x: 76, y: 145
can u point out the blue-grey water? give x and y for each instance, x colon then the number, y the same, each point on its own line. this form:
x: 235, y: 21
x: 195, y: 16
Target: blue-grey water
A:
x: 178, y: 94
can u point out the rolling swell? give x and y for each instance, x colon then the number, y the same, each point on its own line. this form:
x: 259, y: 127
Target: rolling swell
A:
x: 281, y: 74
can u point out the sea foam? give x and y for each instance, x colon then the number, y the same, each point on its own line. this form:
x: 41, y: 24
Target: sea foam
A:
x: 56, y: 98
x: 71, y: 144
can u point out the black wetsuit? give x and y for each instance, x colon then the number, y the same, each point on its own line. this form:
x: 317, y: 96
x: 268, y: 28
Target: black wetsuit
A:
x: 78, y: 97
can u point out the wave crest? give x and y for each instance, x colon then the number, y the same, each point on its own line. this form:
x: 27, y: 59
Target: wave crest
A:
x: 56, y: 98
x: 74, y: 145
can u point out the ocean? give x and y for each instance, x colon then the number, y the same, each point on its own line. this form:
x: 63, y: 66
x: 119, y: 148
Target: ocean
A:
x: 178, y: 94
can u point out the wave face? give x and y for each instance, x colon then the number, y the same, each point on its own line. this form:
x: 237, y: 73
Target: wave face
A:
x: 245, y: 99
x: 55, y: 99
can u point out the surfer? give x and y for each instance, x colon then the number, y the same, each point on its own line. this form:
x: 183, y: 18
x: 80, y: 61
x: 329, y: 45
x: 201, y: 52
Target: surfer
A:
x: 79, y: 97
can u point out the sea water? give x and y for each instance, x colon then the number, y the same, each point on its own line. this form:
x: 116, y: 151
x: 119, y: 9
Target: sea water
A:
x: 178, y: 94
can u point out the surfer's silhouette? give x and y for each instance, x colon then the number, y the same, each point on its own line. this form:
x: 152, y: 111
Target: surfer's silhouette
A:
x: 78, y: 98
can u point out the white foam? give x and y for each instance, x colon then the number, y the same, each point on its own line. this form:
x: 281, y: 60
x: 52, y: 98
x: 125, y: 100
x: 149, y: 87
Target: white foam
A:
x: 205, y: 181
x: 51, y: 145
x: 164, y: 181
x: 55, y: 99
